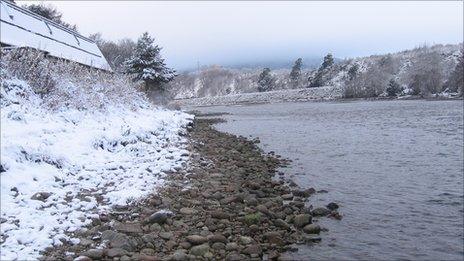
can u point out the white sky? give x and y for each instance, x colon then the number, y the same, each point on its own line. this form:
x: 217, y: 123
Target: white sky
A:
x: 227, y: 32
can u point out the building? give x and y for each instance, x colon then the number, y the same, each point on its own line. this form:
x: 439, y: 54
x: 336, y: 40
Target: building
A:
x: 22, y: 28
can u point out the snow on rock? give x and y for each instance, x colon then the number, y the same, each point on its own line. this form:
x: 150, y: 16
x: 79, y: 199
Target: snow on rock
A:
x: 60, y: 169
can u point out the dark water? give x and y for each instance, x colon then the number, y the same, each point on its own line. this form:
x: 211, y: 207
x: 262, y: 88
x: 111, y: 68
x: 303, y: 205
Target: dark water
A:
x: 395, y: 167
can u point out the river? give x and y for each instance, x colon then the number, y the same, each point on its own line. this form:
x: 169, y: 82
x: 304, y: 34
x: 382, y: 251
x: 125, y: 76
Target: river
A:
x: 394, y: 167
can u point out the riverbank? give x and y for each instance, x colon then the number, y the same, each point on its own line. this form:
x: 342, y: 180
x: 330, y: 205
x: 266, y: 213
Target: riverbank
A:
x: 323, y: 93
x: 226, y: 205
x: 317, y: 94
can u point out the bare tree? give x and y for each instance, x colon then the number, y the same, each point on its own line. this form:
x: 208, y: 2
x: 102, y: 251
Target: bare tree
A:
x: 116, y: 53
x: 425, y: 75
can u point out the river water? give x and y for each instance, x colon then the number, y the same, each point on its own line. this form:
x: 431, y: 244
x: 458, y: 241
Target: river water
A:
x: 394, y: 167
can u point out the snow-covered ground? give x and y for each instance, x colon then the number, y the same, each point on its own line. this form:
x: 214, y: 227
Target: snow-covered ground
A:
x: 305, y: 94
x: 60, y: 168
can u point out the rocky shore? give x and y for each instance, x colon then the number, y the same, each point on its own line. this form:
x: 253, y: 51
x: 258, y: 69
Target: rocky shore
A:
x: 231, y: 203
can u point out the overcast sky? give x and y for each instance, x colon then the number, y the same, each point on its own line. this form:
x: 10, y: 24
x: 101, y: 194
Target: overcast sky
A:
x: 235, y: 32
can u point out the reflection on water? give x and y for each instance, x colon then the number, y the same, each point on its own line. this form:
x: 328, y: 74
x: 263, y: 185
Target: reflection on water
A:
x: 395, y: 167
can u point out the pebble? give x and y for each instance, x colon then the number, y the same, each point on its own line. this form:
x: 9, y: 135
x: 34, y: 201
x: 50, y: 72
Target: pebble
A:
x: 187, y: 211
x: 196, y: 239
x: 245, y: 240
x: 231, y: 246
x: 165, y: 235
x: 179, y: 255
x: 41, y: 196
x: 218, y: 246
x: 117, y: 240
x: 199, y: 250
x: 185, y: 245
x: 135, y: 228
x: 94, y: 253
x: 274, y: 237
x: 159, y: 217
x: 217, y: 238
x: 219, y: 214
x: 114, y: 252
x: 253, y: 250
x: 281, y: 223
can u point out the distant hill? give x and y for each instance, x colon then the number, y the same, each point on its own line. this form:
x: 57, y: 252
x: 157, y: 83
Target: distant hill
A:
x: 423, y: 70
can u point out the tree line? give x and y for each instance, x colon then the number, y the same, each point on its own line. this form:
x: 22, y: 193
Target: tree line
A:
x: 424, y: 74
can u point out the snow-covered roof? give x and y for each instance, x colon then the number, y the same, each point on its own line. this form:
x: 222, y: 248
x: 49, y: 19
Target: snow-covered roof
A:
x: 22, y: 28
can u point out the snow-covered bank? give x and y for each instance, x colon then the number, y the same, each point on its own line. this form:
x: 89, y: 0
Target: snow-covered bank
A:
x: 304, y: 94
x: 61, y: 167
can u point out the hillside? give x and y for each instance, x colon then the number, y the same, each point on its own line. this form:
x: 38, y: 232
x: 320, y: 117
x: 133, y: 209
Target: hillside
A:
x: 358, y: 77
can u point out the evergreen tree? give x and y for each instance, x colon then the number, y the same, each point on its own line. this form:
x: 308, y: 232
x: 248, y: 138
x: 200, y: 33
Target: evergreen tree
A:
x: 328, y: 61
x: 318, y: 79
x: 296, y: 72
x: 265, y: 81
x: 147, y: 65
x: 393, y: 88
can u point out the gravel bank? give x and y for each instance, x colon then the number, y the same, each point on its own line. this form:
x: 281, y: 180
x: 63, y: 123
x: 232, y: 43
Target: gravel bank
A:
x: 226, y: 206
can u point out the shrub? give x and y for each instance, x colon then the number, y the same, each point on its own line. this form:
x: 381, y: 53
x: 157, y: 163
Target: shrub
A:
x: 67, y: 84
x: 251, y: 219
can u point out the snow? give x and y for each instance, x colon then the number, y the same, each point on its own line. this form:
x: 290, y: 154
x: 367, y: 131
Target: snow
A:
x: 118, y: 155
x: 22, y: 28
x: 305, y: 94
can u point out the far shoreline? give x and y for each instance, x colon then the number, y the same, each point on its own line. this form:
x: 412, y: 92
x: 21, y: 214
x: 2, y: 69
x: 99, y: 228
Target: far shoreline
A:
x: 338, y: 100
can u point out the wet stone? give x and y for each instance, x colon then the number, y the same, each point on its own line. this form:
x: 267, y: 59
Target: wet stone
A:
x: 312, y: 229
x: 332, y: 206
x: 301, y: 220
x: 321, y: 211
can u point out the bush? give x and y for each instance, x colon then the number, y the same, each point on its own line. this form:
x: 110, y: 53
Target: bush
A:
x: 251, y: 219
x: 67, y: 84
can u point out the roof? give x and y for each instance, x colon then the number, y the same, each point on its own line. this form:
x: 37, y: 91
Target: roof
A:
x: 22, y: 28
